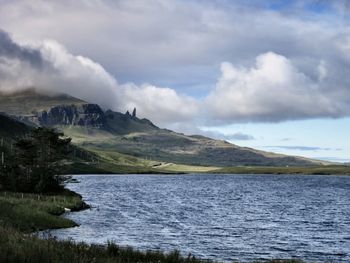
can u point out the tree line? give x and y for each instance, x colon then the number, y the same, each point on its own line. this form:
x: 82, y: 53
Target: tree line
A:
x: 33, y: 164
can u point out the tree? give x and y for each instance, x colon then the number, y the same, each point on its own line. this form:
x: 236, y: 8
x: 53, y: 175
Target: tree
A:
x: 37, y: 162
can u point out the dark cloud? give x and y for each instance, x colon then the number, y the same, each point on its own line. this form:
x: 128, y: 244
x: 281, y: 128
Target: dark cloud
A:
x: 10, y: 49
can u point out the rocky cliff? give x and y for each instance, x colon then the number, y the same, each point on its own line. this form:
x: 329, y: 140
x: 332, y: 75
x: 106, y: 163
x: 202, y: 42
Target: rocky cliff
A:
x: 88, y: 115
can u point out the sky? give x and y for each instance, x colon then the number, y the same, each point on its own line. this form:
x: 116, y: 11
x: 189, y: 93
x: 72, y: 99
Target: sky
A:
x: 271, y: 75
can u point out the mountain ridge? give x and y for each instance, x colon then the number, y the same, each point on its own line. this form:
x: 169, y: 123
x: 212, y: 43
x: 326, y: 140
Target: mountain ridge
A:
x: 108, y: 131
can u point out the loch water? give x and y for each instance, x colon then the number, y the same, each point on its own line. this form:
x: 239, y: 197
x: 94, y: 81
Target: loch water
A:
x: 221, y: 217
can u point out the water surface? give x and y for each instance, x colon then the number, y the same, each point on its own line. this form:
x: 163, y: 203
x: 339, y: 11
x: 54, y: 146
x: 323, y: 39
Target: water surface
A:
x: 223, y: 217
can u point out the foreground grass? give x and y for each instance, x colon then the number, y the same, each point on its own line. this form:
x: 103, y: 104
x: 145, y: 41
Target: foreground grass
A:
x: 32, y: 212
x: 15, y: 247
x: 311, y: 170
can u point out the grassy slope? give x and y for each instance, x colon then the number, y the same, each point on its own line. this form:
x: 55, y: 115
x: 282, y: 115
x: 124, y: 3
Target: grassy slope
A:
x: 85, y: 161
x: 111, y: 161
x: 174, y: 152
x: 107, y: 146
x: 23, y: 103
x: 132, y: 145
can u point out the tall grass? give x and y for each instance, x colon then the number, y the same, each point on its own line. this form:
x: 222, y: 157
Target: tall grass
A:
x: 32, y: 212
x: 18, y: 248
x: 15, y: 247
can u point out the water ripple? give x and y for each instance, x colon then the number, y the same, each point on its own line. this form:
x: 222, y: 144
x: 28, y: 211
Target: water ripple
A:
x: 225, y: 217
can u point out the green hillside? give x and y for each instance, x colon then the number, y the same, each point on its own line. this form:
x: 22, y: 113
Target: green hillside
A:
x: 28, y: 101
x: 127, y: 141
x: 81, y: 161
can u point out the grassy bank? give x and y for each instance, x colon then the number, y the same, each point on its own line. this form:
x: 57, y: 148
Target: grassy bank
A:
x: 21, y: 214
x: 15, y: 247
x: 34, y: 212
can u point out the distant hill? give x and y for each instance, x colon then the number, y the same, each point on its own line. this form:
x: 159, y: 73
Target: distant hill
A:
x: 27, y: 101
x: 116, y: 135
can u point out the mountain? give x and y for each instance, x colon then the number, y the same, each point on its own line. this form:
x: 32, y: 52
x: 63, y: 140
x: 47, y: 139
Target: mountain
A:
x: 125, y: 138
x: 79, y: 160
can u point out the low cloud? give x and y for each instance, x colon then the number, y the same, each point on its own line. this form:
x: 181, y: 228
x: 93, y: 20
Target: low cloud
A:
x: 302, y: 148
x: 334, y: 159
x: 162, y: 105
x: 51, y: 68
x: 239, y: 136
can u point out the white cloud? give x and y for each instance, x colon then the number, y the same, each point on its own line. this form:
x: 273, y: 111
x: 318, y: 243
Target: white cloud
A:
x: 54, y: 69
x: 272, y: 90
x: 75, y: 75
x: 162, y: 105
x: 177, y: 46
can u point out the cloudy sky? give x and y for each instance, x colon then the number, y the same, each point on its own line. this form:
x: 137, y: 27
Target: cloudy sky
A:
x: 273, y: 75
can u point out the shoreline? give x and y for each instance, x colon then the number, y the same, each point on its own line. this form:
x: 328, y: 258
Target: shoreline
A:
x: 209, y: 173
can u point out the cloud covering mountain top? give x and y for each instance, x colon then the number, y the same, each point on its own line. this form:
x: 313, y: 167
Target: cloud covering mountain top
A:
x: 207, y: 63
